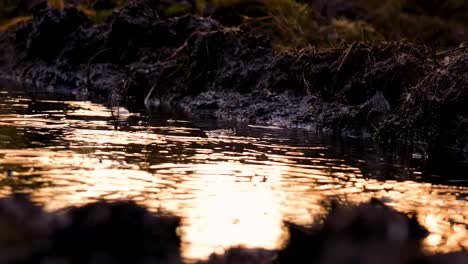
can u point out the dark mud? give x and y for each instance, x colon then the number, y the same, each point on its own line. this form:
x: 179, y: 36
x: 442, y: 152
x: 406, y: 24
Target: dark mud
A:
x: 101, y: 232
x: 394, y: 91
x: 365, y: 233
x: 124, y: 232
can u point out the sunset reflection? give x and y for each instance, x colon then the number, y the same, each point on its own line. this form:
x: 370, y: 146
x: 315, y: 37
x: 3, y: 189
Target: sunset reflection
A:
x: 229, y: 190
x: 232, y: 210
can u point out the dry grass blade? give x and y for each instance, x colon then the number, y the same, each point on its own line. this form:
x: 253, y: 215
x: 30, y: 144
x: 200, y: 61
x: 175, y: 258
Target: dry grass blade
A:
x: 349, y: 50
x: 15, y: 22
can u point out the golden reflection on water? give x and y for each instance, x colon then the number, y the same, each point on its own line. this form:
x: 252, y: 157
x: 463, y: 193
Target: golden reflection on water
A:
x: 230, y: 190
x: 229, y: 211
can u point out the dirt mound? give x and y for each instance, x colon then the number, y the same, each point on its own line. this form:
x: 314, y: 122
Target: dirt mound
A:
x: 115, y: 232
x: 24, y: 229
x: 101, y: 232
x: 365, y: 233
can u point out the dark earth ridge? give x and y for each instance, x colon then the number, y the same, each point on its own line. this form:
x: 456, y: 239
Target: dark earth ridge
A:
x: 392, y: 91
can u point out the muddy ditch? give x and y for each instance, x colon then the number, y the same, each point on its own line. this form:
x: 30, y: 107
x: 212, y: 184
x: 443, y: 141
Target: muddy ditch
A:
x: 392, y: 91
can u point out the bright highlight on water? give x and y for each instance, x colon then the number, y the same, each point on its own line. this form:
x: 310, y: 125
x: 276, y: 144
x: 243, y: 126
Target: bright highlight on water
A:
x: 231, y: 185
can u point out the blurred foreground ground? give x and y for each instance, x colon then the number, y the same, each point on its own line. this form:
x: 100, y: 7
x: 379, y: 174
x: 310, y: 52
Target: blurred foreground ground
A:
x: 124, y: 232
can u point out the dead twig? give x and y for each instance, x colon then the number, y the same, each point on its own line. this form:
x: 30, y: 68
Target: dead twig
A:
x: 445, y: 52
x: 178, y: 51
x: 346, y: 55
x: 88, y: 71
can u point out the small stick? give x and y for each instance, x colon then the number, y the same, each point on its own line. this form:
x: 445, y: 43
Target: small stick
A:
x: 346, y: 55
x: 445, y: 52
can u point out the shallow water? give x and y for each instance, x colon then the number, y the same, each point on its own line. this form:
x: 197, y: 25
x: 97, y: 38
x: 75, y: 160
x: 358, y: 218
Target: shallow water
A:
x: 232, y: 184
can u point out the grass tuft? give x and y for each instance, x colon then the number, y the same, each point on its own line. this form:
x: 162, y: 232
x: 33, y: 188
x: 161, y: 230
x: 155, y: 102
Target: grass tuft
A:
x: 58, y: 4
x: 291, y: 24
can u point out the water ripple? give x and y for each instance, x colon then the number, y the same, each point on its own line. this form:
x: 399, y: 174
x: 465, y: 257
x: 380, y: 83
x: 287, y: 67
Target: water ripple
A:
x: 232, y: 186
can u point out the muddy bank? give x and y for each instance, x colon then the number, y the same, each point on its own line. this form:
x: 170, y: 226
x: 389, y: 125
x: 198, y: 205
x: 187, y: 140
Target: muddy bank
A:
x: 124, y: 232
x: 395, y: 91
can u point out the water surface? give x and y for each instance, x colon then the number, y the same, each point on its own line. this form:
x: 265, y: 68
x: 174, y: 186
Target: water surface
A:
x: 232, y: 184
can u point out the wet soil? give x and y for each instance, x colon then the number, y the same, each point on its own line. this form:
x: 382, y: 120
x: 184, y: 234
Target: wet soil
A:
x: 393, y: 91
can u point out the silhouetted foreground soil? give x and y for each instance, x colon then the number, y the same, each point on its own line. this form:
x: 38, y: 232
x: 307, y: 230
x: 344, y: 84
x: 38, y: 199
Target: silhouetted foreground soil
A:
x: 102, y: 232
x: 395, y: 91
x: 123, y: 232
